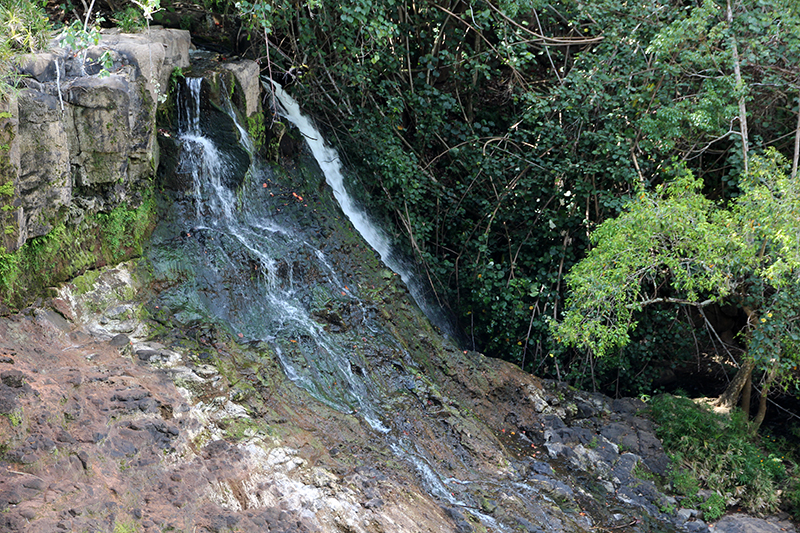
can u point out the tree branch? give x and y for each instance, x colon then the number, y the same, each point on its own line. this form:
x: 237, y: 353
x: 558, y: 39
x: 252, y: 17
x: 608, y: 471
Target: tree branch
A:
x: 796, y: 144
x: 740, y: 86
x: 700, y: 305
x: 548, y: 41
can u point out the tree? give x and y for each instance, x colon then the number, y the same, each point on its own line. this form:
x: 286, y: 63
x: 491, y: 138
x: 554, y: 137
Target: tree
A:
x: 676, y: 247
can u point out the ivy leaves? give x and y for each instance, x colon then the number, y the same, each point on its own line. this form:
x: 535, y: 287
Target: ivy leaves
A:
x: 496, y: 135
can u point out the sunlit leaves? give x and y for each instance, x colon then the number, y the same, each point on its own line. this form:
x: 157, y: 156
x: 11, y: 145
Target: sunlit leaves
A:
x: 675, y: 246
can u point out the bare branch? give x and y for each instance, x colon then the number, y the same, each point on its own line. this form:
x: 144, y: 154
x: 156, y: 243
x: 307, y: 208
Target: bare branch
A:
x: 739, y: 85
x: 681, y: 301
x: 549, y: 41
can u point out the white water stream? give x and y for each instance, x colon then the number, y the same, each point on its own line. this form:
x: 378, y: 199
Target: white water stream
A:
x: 238, y: 262
x: 230, y: 230
x: 331, y: 165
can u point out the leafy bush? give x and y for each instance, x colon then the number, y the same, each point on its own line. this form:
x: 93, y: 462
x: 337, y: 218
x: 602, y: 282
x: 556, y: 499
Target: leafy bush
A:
x: 719, y: 452
x: 713, y: 507
x: 26, y: 28
x: 493, y: 155
x: 130, y: 20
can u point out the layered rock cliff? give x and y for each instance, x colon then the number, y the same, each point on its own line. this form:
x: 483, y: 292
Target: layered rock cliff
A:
x: 79, y: 154
x: 88, y: 143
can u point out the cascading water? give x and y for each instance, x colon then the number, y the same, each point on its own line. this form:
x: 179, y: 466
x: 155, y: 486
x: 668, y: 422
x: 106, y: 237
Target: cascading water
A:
x: 329, y: 162
x: 259, y: 261
x: 239, y: 265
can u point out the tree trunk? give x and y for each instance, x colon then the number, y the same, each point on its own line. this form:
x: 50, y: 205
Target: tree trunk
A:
x: 762, y: 403
x: 737, y: 72
x: 746, y: 392
x: 728, y: 398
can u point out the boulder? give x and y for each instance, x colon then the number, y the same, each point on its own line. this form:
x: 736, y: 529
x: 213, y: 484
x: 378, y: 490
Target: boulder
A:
x: 155, y: 53
x: 742, y: 523
x: 84, y: 142
x: 247, y: 74
x: 100, y: 143
x: 42, y: 66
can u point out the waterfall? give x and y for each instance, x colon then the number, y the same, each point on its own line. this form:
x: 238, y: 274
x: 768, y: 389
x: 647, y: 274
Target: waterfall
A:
x: 240, y: 266
x: 329, y: 162
x: 189, y: 106
x: 254, y: 262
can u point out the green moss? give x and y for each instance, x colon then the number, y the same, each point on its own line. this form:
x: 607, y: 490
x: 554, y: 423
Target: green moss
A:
x: 85, y: 282
x: 15, y: 417
x: 256, y: 129
x: 243, y: 428
x: 125, y: 527
x: 101, y: 239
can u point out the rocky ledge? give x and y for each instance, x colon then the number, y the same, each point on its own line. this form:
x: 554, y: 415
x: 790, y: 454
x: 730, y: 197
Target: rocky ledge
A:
x: 81, y: 142
x: 106, y: 429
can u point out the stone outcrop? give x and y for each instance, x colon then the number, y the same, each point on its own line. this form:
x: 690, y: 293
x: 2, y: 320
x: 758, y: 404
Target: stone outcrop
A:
x: 86, y: 142
x: 103, y: 428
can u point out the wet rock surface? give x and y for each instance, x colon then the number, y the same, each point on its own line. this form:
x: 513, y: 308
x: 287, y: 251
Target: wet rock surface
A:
x: 106, y: 427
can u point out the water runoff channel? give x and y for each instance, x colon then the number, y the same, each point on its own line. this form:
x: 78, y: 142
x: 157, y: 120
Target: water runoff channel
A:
x: 232, y: 262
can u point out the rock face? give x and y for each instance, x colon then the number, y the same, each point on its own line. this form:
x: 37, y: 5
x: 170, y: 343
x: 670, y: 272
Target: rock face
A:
x: 88, y: 143
x: 740, y: 523
x: 105, y: 428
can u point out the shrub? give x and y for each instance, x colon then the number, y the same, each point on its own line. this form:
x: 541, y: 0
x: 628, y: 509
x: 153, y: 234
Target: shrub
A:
x: 713, y: 507
x: 718, y: 452
x: 26, y: 28
x: 130, y: 20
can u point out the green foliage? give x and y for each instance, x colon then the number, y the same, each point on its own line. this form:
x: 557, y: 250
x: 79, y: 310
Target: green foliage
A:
x: 672, y: 235
x: 7, y: 176
x: 78, y: 38
x: 718, y: 452
x: 714, y: 507
x: 674, y: 246
x: 683, y: 482
x: 25, y: 26
x: 494, y: 149
x: 130, y: 20
x: 15, y: 417
x: 148, y: 7
x: 25, y: 29
x: 102, y: 239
